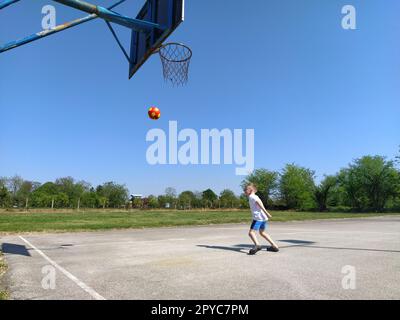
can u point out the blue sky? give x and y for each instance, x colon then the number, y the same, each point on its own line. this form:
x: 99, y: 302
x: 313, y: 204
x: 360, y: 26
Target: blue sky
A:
x: 315, y: 94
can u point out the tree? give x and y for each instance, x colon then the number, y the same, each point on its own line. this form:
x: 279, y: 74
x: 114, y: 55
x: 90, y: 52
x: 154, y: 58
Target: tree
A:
x: 244, y: 201
x: 369, y: 182
x: 90, y: 199
x: 5, y: 196
x: 351, y: 186
x: 66, y: 185
x: 170, y: 197
x: 323, y: 191
x: 41, y: 200
x: 185, y: 199
x: 228, y: 199
x: 103, y: 201
x: 44, y: 195
x: 152, y: 202
x: 137, y: 203
x: 24, y: 192
x: 297, y: 187
x: 3, y: 181
x: 61, y: 200
x: 170, y: 192
x: 209, y: 197
x: 198, y: 200
x: 116, y: 194
x: 162, y: 201
x: 14, y: 184
x: 74, y: 190
x: 266, y: 182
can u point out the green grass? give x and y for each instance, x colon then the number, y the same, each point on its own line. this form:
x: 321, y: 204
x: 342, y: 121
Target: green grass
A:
x: 3, y: 269
x: 90, y: 221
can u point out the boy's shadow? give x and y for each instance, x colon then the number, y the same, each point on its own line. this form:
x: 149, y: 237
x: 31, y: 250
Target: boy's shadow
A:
x: 237, y: 248
x: 244, y: 248
x: 240, y: 248
x: 293, y: 243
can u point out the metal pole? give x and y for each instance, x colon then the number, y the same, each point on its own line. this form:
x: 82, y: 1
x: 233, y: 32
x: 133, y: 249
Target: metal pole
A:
x: 118, y: 42
x: 45, y: 33
x: 6, y: 3
x: 106, y: 14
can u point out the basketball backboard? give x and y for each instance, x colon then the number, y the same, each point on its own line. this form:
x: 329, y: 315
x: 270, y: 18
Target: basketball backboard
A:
x: 168, y: 14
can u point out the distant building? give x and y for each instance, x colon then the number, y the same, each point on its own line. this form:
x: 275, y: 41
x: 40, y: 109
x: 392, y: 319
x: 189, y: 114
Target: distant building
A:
x: 137, y: 196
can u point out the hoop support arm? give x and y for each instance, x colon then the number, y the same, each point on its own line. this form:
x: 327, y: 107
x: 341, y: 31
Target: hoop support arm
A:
x: 106, y: 14
x: 6, y: 3
x: 45, y: 33
x: 118, y: 42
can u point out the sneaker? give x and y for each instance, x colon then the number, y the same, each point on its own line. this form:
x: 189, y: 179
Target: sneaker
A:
x: 254, y: 250
x: 273, y: 249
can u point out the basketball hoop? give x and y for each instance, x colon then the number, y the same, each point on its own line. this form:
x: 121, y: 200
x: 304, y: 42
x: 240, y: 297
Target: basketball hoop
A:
x: 175, y: 58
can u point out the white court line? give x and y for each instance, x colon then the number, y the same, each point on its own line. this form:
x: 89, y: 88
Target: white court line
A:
x: 70, y: 276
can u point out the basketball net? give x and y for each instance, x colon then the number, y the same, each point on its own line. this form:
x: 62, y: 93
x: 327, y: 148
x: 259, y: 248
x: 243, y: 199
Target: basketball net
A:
x: 175, y: 59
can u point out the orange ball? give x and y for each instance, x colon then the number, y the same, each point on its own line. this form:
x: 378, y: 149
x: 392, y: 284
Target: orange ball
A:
x: 154, y: 113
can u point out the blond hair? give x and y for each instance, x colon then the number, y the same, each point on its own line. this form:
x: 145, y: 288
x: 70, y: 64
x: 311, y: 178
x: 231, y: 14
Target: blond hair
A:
x: 252, y: 186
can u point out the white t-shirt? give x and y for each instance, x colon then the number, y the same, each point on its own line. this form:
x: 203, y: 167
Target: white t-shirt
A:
x: 258, y: 214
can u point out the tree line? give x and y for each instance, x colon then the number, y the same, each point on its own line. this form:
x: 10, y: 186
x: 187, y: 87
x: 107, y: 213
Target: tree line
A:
x: 62, y: 193
x: 370, y: 183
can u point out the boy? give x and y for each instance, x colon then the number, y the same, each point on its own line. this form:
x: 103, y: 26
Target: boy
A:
x: 260, y: 220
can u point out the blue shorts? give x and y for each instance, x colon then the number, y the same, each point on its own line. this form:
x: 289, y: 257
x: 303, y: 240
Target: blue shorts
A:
x: 258, y: 225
